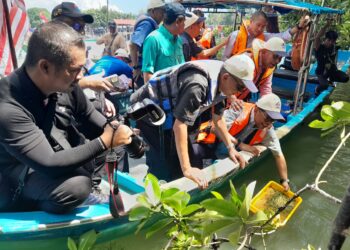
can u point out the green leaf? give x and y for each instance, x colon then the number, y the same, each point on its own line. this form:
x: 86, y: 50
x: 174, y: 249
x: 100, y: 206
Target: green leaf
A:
x: 214, y: 226
x: 142, y: 199
x: 244, y: 211
x: 140, y: 226
x: 71, y: 244
x: 217, y: 195
x: 327, y: 113
x: 178, y: 201
x: 158, y: 226
x: 342, y: 135
x: 190, y: 209
x: 87, y: 240
x: 342, y: 109
x: 139, y: 213
x: 256, y: 218
x: 223, y: 207
x: 324, y: 125
x: 235, y: 198
x: 152, y: 189
x: 169, y: 192
x: 235, y: 235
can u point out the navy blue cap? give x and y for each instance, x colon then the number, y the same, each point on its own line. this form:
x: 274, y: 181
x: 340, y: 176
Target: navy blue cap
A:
x: 173, y: 10
x: 70, y: 9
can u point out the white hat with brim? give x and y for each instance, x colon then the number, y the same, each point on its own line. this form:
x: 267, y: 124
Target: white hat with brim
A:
x: 242, y: 67
x: 271, y: 104
x: 274, y: 44
x: 193, y: 19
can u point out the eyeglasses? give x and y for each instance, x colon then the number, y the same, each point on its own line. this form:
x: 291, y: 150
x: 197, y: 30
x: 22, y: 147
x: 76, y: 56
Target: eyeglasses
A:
x: 266, y: 117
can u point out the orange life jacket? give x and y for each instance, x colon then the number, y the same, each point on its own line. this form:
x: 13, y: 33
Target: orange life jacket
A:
x: 242, y: 38
x: 258, y: 75
x: 205, y: 42
x: 204, y: 135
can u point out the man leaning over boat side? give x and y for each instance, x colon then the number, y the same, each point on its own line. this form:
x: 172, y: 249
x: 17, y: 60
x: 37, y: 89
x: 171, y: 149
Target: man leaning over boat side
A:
x: 254, y: 125
x: 42, y: 162
x: 194, y: 87
x: 145, y: 24
x: 266, y: 56
x: 193, y: 27
x: 254, y: 28
x: 163, y: 47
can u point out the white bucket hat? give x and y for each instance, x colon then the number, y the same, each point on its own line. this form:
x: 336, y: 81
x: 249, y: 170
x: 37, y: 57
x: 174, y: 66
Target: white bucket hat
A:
x: 155, y: 4
x: 271, y: 104
x: 242, y: 66
x: 274, y: 44
x: 193, y: 19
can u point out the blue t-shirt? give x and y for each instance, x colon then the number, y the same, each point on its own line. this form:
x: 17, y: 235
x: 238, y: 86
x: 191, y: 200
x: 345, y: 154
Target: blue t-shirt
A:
x: 111, y: 65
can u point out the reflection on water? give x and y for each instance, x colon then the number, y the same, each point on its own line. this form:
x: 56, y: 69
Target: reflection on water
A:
x: 306, y: 152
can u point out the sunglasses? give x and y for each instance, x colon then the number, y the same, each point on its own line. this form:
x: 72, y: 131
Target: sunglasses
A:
x: 78, y: 26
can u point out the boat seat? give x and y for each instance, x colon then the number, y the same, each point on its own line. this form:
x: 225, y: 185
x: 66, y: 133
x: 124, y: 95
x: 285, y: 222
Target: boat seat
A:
x: 293, y: 75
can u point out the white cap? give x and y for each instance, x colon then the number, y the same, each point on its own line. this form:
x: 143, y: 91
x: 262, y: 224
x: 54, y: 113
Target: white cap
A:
x: 242, y: 66
x: 193, y: 19
x: 155, y: 4
x: 274, y: 44
x: 271, y: 104
x: 122, y: 53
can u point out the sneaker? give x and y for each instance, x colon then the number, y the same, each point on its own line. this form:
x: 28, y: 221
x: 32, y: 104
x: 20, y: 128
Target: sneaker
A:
x: 96, y: 197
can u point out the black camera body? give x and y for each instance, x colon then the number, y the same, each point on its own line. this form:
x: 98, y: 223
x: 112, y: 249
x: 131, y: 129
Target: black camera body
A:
x: 148, y: 110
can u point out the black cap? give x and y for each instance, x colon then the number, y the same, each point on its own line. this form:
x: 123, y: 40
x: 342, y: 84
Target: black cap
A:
x: 173, y: 10
x: 70, y: 9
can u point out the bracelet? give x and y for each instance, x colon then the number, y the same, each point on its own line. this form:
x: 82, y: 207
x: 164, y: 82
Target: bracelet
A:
x: 103, y: 145
x: 284, y: 180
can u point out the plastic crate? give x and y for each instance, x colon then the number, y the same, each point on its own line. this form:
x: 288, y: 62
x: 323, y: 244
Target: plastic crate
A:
x: 258, y: 202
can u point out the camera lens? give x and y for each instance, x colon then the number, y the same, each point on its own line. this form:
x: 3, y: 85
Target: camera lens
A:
x: 136, y: 148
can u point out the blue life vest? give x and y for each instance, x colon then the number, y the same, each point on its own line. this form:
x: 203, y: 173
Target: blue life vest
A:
x: 163, y: 87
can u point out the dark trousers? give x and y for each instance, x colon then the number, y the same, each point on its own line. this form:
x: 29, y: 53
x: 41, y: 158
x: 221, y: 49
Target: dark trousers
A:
x: 341, y: 224
x: 53, y: 194
x: 161, y: 158
x: 334, y: 76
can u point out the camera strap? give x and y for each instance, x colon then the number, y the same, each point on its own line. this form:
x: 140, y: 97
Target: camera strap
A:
x: 116, y: 206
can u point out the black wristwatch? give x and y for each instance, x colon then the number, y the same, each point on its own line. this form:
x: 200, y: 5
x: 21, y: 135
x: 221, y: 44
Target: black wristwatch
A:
x: 284, y: 180
x: 136, y: 67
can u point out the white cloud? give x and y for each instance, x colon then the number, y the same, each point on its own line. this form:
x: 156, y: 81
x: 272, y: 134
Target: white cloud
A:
x: 82, y: 4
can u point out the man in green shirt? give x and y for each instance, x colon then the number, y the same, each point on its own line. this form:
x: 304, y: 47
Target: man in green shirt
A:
x: 163, y: 47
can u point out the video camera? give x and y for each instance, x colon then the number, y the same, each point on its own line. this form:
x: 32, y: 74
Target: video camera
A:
x: 151, y: 112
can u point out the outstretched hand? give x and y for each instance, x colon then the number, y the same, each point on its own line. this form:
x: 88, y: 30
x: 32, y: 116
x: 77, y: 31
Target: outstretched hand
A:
x: 237, y: 157
x: 196, y: 175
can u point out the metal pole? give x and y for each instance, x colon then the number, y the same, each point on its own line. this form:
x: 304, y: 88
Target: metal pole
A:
x: 9, y: 33
x: 107, y: 14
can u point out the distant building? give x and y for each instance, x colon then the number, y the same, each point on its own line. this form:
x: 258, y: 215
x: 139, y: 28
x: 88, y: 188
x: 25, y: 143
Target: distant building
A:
x: 125, y: 26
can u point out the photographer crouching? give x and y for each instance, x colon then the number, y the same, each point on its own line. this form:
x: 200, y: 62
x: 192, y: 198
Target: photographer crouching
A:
x: 42, y: 158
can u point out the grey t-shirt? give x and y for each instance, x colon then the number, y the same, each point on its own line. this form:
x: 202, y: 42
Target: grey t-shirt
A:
x: 193, y: 92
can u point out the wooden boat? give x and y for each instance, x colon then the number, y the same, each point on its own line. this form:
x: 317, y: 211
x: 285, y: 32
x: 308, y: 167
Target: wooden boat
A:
x: 40, y: 230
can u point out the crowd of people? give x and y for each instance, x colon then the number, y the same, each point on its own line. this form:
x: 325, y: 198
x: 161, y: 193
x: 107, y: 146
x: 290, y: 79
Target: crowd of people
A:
x: 54, y: 139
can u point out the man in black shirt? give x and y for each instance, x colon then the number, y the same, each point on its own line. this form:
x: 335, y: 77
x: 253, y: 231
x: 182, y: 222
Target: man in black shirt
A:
x: 42, y: 163
x: 326, y: 55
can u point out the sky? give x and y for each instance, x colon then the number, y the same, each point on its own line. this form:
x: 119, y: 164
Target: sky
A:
x: 127, y: 6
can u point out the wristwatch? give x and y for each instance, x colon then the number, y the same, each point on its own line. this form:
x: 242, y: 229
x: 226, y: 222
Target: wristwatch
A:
x: 284, y: 180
